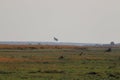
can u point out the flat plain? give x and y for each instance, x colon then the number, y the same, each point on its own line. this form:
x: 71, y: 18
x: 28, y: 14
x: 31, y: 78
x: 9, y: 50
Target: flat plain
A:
x: 34, y: 62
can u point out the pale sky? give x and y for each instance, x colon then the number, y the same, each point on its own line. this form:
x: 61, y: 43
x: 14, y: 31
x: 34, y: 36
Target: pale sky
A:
x: 83, y: 21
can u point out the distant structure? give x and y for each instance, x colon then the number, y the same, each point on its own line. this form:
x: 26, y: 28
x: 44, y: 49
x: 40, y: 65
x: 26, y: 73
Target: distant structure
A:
x: 55, y: 39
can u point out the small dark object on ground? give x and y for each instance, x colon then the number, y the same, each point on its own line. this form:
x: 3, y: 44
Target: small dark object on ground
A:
x: 92, y: 73
x: 108, y: 50
x: 81, y: 54
x: 61, y: 57
x: 45, y: 62
x: 111, y: 75
x: 53, y: 71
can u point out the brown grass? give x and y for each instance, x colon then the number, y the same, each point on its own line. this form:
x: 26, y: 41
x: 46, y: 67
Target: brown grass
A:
x: 40, y: 47
x: 5, y: 59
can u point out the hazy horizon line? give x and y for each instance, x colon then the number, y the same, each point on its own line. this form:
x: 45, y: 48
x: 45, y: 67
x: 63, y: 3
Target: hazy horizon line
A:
x: 59, y: 41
